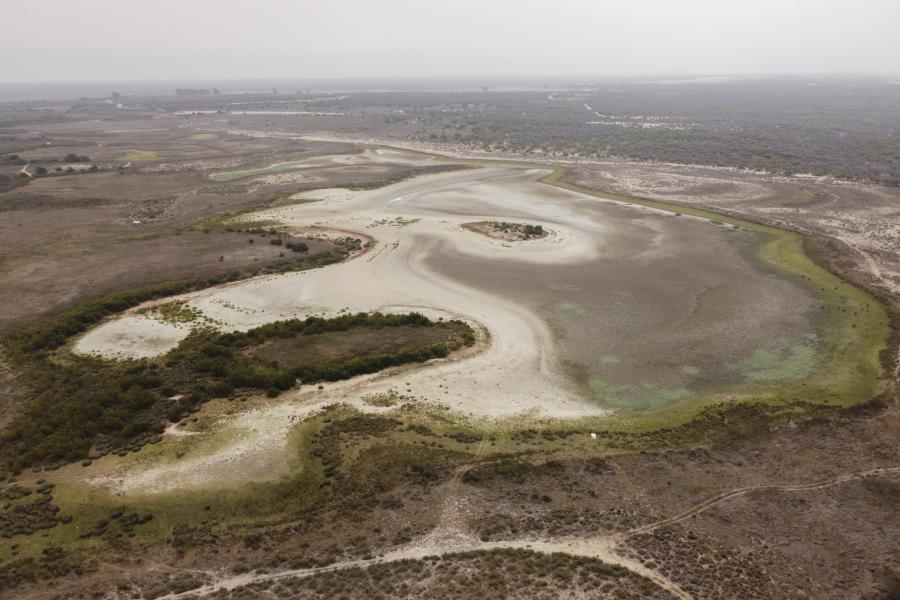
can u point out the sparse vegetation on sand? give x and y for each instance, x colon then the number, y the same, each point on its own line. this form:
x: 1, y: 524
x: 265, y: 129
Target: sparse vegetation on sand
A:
x: 511, y: 573
x: 281, y: 167
x: 173, y: 312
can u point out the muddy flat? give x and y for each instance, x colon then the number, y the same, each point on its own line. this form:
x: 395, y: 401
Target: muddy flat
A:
x: 621, y: 307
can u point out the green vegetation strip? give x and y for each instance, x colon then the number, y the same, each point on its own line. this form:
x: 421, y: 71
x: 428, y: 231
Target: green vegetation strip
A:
x: 273, y: 168
x: 80, y: 318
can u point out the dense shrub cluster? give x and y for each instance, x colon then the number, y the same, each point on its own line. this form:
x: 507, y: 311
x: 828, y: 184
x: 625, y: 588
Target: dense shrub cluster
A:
x: 222, y: 363
x: 31, y: 515
x: 297, y: 247
x: 526, y: 231
x: 86, y: 406
x: 819, y: 126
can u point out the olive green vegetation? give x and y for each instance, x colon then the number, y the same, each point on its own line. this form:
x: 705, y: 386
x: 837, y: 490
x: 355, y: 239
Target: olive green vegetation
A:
x: 86, y: 405
x: 341, y: 462
x: 523, y: 230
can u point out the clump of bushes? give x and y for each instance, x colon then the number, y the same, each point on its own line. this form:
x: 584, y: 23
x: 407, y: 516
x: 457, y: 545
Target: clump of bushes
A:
x: 85, y: 405
x: 523, y: 230
x: 25, y: 518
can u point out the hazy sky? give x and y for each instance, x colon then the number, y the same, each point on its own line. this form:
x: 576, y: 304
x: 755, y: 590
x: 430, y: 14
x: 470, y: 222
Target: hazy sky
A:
x: 220, y: 39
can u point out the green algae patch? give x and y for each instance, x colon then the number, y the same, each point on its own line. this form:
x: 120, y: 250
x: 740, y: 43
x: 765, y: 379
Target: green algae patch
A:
x: 644, y: 396
x: 779, y: 362
x: 570, y: 309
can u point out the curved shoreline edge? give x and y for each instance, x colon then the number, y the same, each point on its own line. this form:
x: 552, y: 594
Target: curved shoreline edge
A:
x: 836, y: 382
x: 841, y: 385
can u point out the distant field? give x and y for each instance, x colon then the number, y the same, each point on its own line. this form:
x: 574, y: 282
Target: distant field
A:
x: 844, y: 128
x: 135, y: 154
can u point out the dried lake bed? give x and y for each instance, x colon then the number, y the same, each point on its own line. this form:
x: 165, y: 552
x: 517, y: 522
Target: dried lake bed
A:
x: 621, y: 306
x: 621, y: 309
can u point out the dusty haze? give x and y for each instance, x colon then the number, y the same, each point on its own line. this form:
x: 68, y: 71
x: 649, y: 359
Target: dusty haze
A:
x: 108, y: 40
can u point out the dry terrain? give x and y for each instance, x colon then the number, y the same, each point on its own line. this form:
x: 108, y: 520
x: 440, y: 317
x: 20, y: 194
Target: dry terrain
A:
x: 652, y: 401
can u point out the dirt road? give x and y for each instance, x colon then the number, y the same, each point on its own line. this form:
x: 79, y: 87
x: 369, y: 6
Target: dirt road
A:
x: 451, y: 536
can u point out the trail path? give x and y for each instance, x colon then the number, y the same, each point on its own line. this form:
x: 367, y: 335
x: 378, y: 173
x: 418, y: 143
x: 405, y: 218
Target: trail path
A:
x: 743, y: 491
x: 452, y: 536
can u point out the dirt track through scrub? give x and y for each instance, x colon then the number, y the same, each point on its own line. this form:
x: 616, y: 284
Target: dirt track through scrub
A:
x: 743, y: 491
x: 451, y: 536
